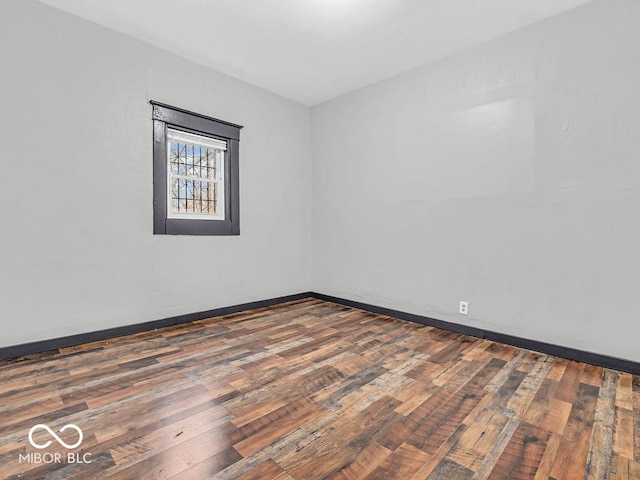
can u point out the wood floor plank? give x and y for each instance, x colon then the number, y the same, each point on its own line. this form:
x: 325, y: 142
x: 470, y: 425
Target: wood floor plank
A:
x: 281, y: 421
x: 478, y: 440
x: 315, y: 390
x: 601, y: 447
x: 635, y: 384
x: 592, y: 375
x: 568, y: 384
x: 571, y: 460
x: 522, y: 456
x: 490, y: 459
x: 365, y: 463
x: 401, y: 464
x: 443, y: 421
x: 546, y: 411
x: 266, y: 470
x: 451, y: 471
x: 526, y: 391
x: 624, y: 391
x: 436, y: 458
x: 623, y: 441
x: 361, y: 428
x: 414, y: 396
x: 548, y: 458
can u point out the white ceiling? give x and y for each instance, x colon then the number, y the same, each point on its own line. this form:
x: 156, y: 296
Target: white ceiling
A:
x: 313, y: 50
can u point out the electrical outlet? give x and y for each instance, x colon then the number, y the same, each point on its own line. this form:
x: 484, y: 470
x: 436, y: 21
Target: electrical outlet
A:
x: 464, y: 308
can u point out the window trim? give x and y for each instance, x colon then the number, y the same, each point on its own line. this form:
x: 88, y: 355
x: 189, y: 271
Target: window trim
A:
x: 165, y: 116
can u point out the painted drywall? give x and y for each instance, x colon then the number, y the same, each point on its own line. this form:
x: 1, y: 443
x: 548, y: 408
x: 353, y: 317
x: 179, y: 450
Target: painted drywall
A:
x: 77, y: 253
x: 507, y: 176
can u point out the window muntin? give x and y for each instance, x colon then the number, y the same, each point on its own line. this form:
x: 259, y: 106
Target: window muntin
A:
x: 196, y: 180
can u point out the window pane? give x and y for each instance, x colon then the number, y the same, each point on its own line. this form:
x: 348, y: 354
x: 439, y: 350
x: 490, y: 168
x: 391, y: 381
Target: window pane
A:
x: 194, y: 160
x: 173, y: 158
x: 213, y: 201
x: 211, y: 163
x: 176, y: 158
x: 182, y: 159
x: 194, y: 197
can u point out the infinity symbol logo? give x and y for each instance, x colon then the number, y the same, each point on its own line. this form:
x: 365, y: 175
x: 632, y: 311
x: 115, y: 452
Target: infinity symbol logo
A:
x: 52, y: 433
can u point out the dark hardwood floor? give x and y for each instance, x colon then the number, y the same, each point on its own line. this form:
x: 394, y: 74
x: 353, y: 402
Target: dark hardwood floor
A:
x: 313, y: 390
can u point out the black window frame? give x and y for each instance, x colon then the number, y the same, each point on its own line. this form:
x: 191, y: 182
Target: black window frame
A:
x: 165, y: 116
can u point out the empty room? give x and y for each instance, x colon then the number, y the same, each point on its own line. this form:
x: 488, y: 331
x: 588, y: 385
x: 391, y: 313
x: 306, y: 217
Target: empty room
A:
x: 320, y: 239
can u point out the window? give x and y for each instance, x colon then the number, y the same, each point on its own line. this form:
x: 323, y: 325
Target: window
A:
x: 195, y: 173
x: 195, y: 177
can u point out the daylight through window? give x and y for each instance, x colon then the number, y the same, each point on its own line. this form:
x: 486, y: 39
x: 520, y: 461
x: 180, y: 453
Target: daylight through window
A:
x: 196, y: 176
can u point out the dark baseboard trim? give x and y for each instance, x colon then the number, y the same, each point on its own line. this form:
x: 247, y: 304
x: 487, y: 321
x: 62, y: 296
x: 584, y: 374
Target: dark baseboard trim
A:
x: 605, y: 361
x: 542, y: 347
x: 62, y: 342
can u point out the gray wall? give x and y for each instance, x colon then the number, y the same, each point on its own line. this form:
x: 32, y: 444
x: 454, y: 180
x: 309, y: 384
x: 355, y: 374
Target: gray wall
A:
x: 507, y: 176
x: 77, y: 252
